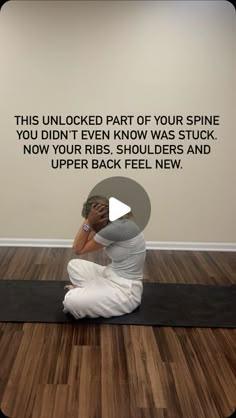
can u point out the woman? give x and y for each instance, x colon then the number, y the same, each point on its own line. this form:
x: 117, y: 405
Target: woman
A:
x: 108, y: 291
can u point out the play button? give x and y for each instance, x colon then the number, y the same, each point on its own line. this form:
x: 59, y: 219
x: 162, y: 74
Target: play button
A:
x: 129, y: 205
x: 117, y: 209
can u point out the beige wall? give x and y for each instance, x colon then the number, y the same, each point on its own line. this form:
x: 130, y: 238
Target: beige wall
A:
x: 158, y: 58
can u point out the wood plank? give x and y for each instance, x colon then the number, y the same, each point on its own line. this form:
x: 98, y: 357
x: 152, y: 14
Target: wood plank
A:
x: 104, y: 371
x: 115, y: 397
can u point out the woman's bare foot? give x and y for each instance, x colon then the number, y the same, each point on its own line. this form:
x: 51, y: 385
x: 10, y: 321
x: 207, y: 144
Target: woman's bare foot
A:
x: 69, y: 287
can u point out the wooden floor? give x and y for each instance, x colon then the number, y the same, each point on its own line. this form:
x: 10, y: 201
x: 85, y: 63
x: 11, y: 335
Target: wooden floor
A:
x: 114, y: 371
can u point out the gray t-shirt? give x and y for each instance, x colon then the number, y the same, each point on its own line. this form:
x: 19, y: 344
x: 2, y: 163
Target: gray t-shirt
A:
x: 127, y: 254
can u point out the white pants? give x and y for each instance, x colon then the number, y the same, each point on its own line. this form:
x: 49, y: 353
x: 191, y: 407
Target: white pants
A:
x: 100, y: 291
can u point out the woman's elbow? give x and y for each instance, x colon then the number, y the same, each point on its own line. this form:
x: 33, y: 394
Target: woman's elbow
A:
x: 76, y: 250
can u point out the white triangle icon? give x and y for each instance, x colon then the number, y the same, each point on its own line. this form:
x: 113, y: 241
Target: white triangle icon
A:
x: 117, y: 209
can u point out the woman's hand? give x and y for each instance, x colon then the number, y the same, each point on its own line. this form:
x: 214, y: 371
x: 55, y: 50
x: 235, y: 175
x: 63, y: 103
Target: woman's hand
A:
x: 98, y: 215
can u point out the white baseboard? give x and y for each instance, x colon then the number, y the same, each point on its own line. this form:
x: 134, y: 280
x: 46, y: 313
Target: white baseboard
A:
x: 191, y: 246
x: 151, y: 245
x: 27, y: 242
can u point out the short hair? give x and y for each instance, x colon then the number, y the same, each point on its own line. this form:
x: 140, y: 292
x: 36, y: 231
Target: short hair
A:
x: 90, y: 201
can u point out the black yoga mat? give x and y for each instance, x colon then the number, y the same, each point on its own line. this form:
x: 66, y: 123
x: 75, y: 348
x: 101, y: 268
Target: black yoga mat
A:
x: 166, y: 304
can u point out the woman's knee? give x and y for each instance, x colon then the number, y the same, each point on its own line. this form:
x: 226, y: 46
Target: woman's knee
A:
x: 70, y: 299
x: 78, y: 305
x: 76, y: 266
x: 70, y: 304
x: 75, y: 301
x: 72, y: 266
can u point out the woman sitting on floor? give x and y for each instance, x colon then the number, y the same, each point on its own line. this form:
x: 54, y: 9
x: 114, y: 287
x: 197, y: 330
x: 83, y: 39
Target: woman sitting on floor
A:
x: 105, y: 291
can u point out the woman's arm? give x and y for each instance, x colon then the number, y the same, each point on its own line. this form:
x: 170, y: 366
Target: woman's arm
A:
x: 91, y: 234
x: 85, y: 243
x: 90, y: 246
x: 97, y: 215
x: 82, y: 237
